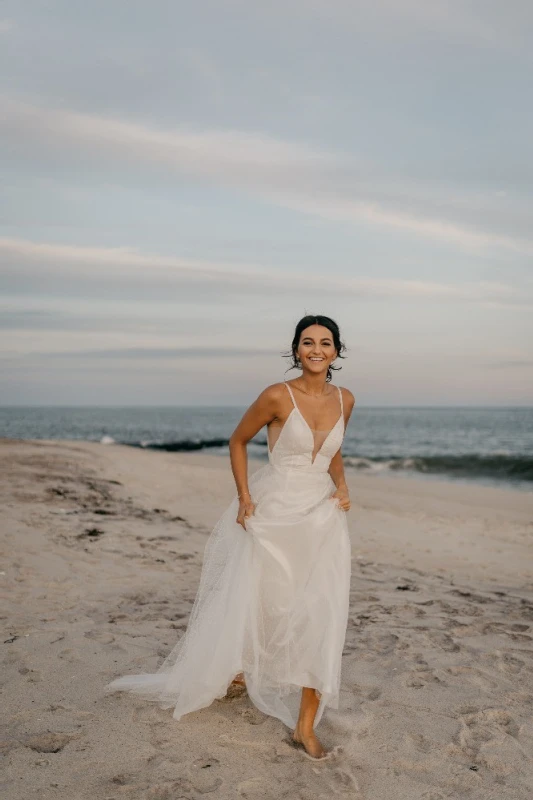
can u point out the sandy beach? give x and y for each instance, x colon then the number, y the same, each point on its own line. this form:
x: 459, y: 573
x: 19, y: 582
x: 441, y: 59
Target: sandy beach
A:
x: 101, y: 556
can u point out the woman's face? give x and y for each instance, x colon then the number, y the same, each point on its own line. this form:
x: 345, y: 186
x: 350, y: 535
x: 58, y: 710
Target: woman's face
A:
x: 316, y: 350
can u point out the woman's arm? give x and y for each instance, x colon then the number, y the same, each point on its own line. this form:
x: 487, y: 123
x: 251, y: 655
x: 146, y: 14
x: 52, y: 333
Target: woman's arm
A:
x: 262, y: 411
x: 336, y: 470
x: 336, y: 467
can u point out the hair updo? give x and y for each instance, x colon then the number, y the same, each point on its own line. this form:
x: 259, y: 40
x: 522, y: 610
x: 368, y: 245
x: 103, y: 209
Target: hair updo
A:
x: 305, y: 322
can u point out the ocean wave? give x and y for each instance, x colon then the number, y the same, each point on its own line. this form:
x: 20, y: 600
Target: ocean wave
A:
x: 181, y: 445
x: 188, y: 445
x: 498, y: 465
x: 507, y: 467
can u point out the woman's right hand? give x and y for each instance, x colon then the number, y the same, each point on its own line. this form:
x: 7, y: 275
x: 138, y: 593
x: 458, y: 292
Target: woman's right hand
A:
x: 246, y: 509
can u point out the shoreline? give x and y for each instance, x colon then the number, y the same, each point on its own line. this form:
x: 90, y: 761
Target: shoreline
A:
x: 484, y: 481
x: 522, y: 486
x: 414, y: 501
x: 102, y: 552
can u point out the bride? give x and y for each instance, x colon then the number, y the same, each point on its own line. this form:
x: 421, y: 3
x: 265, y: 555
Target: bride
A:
x: 271, y: 609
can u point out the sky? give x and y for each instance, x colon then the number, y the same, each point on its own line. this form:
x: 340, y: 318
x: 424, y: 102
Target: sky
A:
x: 181, y: 182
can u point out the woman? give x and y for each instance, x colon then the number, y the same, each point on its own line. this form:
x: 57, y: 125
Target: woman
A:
x: 271, y: 609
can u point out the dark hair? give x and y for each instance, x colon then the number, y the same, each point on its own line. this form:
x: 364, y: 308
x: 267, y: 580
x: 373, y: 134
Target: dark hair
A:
x: 305, y: 322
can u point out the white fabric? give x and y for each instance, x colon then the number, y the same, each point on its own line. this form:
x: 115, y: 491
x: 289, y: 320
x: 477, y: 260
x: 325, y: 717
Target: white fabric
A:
x: 273, y: 599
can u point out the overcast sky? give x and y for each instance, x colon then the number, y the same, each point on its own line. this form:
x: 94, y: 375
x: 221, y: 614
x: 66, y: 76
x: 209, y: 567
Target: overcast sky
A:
x: 182, y: 181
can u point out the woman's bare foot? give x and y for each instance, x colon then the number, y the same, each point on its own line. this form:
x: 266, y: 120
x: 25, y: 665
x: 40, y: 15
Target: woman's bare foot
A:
x: 309, y: 741
x: 237, y: 687
x: 239, y: 679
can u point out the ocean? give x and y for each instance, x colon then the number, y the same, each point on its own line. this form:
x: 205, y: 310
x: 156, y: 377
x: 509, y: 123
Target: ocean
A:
x: 491, y: 446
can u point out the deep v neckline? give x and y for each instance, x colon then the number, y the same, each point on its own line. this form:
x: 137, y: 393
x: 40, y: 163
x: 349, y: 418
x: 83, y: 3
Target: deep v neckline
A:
x: 309, y: 428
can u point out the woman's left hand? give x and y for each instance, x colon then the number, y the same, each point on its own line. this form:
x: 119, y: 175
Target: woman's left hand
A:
x: 343, y: 497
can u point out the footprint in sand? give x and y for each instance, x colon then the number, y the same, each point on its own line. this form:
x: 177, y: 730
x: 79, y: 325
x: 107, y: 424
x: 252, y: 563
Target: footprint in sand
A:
x: 474, y: 676
x: 472, y: 597
x: 32, y: 675
x: 254, y: 789
x: 444, y: 641
x: 202, y: 775
x: 420, y: 678
x: 68, y: 655
x: 100, y: 636
x: 504, y: 662
x: 384, y: 643
x: 49, y: 742
x: 168, y: 790
x: 342, y: 781
x: 368, y: 692
x: 481, y: 726
x: 515, y: 632
x: 489, y: 738
x: 253, y: 716
x: 416, y: 741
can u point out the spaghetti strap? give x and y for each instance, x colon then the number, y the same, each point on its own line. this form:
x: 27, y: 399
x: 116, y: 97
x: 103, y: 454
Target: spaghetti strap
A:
x: 294, y: 401
x: 340, y: 397
x: 291, y: 394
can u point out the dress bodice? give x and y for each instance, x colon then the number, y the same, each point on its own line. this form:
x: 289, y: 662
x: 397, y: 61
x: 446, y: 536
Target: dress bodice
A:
x: 295, y: 447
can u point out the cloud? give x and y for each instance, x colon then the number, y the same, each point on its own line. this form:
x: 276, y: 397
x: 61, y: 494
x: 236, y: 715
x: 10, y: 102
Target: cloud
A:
x: 336, y: 208
x: 210, y: 151
x: 291, y: 175
x: 69, y: 269
x: 21, y: 320
x: 128, y: 353
x: 110, y: 321
x: 6, y: 25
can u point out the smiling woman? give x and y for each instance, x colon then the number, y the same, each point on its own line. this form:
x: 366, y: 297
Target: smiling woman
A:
x: 271, y: 610
x: 315, y: 353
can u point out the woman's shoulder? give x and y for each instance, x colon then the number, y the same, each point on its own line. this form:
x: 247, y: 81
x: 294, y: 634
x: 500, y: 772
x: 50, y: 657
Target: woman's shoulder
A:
x: 275, y: 391
x: 348, y: 397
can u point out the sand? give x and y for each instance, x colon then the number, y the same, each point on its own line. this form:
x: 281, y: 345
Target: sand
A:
x: 101, y: 555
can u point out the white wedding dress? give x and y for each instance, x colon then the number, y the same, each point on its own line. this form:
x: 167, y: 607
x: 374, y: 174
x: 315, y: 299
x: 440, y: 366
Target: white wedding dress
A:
x: 272, y: 601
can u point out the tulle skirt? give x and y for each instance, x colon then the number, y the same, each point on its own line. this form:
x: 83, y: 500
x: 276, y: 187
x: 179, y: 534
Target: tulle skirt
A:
x: 272, y: 603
